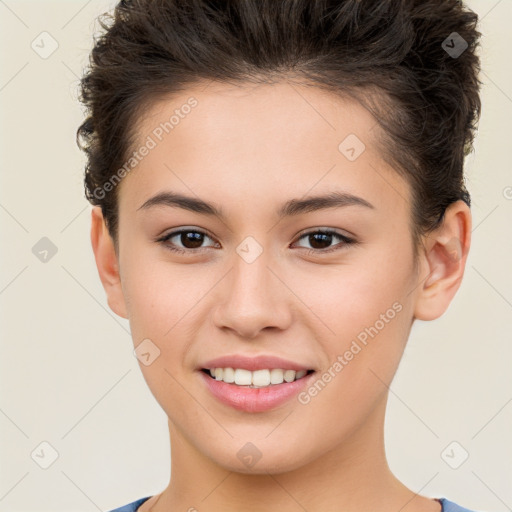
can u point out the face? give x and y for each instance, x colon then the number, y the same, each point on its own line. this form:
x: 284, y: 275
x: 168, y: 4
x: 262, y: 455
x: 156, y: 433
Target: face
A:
x: 326, y: 285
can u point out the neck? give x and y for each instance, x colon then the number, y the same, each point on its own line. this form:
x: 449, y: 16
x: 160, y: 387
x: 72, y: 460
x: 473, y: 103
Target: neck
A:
x: 351, y: 477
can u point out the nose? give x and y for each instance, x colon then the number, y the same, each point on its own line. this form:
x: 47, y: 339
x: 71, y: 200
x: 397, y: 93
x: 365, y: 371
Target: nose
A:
x: 252, y: 297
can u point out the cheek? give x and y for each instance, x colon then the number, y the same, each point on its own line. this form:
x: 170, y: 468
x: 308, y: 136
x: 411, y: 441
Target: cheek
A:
x: 366, y: 315
x: 355, y: 380
x: 164, y: 302
x: 150, y: 314
x: 161, y: 306
x: 349, y: 298
x: 156, y: 292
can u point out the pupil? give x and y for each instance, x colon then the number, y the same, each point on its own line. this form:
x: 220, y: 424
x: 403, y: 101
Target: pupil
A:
x: 191, y: 237
x: 316, y: 237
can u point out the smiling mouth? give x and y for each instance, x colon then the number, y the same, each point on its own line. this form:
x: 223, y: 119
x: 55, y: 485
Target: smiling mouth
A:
x: 255, y: 379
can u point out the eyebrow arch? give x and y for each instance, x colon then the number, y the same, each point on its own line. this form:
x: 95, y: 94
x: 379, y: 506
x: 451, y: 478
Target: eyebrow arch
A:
x: 290, y: 208
x: 314, y: 203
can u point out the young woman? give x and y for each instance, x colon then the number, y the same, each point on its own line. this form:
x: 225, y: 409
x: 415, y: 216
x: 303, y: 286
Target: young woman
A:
x: 278, y: 194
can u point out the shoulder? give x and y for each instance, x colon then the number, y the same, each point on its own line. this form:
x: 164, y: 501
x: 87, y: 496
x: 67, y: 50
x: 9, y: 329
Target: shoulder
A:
x: 131, y: 507
x: 450, y: 506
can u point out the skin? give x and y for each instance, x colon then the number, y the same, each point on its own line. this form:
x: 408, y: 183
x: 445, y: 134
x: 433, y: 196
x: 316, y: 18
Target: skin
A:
x: 248, y: 149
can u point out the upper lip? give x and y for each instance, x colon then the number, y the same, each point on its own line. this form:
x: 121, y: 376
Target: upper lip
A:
x: 261, y: 362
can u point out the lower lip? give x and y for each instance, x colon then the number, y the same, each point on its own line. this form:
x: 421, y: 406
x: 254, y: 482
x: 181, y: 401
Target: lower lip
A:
x: 254, y: 399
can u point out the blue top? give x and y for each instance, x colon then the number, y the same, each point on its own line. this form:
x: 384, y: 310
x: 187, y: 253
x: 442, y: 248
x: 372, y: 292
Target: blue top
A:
x: 447, y: 506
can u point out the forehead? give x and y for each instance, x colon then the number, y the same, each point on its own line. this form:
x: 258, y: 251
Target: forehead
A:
x: 285, y: 114
x: 251, y: 140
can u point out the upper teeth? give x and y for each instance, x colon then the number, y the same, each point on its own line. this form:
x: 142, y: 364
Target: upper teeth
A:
x: 258, y: 378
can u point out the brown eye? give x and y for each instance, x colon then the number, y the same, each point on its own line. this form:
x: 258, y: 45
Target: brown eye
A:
x: 184, y: 240
x: 321, y: 240
x: 191, y: 239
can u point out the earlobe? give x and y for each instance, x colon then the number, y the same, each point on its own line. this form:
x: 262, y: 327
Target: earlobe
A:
x: 107, y: 262
x: 444, y: 260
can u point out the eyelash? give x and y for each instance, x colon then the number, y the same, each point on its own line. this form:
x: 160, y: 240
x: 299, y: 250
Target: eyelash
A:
x: 346, y: 241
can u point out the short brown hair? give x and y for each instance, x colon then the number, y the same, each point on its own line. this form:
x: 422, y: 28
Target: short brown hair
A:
x: 394, y: 56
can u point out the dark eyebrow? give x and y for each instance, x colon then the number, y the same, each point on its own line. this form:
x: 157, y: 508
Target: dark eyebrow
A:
x: 187, y: 203
x: 292, y: 207
x: 311, y: 204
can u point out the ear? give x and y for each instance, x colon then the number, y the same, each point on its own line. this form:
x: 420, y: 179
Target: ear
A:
x: 107, y: 262
x: 443, y: 262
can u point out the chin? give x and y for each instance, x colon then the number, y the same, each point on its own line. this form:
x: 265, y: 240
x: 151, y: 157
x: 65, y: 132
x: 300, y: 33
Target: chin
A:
x: 251, y: 460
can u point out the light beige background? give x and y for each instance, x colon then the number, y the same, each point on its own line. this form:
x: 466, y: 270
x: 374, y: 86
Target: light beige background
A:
x: 67, y: 371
